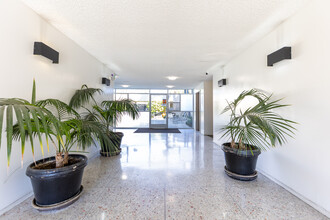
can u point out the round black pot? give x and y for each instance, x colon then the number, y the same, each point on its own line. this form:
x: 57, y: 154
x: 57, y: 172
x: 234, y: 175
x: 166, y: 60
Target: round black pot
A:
x: 240, y: 162
x: 51, y: 186
x: 116, y: 142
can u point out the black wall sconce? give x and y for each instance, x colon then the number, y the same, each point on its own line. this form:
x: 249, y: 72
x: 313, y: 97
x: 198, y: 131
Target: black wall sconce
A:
x: 222, y: 82
x: 279, y: 55
x: 46, y: 51
x: 106, y: 81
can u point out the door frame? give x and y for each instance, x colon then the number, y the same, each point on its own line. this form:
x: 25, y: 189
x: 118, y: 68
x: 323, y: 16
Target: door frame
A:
x: 161, y: 126
x: 197, y: 120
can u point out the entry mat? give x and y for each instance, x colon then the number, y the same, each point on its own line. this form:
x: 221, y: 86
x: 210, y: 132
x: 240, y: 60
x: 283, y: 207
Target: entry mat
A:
x: 154, y: 130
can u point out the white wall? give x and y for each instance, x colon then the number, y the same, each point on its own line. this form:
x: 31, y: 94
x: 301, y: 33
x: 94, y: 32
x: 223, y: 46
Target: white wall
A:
x: 205, y: 107
x: 302, y: 164
x: 20, y: 27
x: 208, y: 107
x: 200, y: 89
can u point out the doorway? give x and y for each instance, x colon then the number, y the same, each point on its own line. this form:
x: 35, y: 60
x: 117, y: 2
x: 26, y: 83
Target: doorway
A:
x: 197, y: 112
x: 158, y: 111
x: 170, y: 108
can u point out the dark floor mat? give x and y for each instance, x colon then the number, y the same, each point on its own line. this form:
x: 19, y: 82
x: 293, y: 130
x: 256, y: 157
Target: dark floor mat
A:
x: 153, y: 130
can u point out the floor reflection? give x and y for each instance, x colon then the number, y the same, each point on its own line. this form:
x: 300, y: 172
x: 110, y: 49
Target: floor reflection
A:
x: 171, y: 176
x: 159, y: 151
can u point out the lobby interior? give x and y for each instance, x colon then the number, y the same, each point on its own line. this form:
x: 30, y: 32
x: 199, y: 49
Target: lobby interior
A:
x: 181, y: 63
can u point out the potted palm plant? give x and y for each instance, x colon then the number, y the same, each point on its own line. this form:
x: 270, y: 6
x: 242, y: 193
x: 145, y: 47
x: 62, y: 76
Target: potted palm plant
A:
x: 107, y: 113
x: 252, y: 129
x: 56, y: 181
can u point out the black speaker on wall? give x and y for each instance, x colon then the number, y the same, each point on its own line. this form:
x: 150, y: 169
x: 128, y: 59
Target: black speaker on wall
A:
x: 106, y: 81
x: 46, y: 51
x: 279, y: 55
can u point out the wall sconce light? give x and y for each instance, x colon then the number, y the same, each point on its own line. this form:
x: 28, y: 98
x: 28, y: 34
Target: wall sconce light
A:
x: 106, y: 81
x: 279, y: 55
x: 222, y: 82
x: 46, y: 51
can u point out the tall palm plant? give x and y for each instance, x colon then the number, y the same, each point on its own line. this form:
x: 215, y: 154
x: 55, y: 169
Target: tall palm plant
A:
x: 107, y: 113
x: 51, y: 118
x: 258, y: 125
x: 29, y: 117
x: 74, y: 130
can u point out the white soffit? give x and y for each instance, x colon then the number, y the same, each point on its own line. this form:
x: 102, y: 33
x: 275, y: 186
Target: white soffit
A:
x: 144, y: 41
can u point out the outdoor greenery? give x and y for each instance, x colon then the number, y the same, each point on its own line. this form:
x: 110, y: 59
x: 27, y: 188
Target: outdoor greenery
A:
x: 59, y: 123
x: 257, y: 125
x: 189, y: 121
x: 107, y: 113
x: 157, y: 107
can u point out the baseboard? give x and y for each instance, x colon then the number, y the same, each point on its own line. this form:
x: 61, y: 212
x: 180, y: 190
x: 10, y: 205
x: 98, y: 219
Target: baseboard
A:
x: 12, y: 205
x: 303, y: 198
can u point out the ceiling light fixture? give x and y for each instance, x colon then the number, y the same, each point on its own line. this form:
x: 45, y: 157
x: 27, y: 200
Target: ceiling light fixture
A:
x: 125, y: 86
x: 172, y: 77
x: 170, y: 86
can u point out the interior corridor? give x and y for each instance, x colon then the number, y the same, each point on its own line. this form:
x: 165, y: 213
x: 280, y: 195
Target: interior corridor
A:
x: 171, y: 176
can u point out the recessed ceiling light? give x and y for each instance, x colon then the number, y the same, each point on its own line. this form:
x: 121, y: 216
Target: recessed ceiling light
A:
x: 170, y: 86
x: 125, y: 86
x: 172, y: 77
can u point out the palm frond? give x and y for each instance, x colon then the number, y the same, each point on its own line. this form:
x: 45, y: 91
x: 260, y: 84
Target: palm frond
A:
x: 34, y: 93
x: 2, y: 109
x: 28, y: 124
x: 53, y: 118
x: 62, y: 109
x: 29, y: 118
x: 13, y: 101
x: 21, y: 129
x: 258, y: 125
x: 37, y: 126
x: 118, y: 108
x: 82, y: 96
x: 256, y: 93
x: 9, y: 125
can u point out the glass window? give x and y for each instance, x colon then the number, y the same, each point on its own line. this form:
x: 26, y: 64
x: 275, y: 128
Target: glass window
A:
x: 128, y: 122
x: 139, y: 97
x: 177, y: 107
x: 132, y: 90
x: 121, y: 91
x: 174, y: 106
x: 174, y: 98
x: 177, y: 91
x: 121, y: 96
x: 142, y: 100
x: 186, y: 102
x: 174, y: 102
x: 180, y: 120
x: 163, y: 91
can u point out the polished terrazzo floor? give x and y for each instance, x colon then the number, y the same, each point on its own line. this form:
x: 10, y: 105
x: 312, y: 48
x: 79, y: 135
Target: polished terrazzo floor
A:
x: 171, y: 176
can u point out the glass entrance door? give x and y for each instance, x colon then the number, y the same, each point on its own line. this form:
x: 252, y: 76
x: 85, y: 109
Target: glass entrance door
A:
x: 158, y: 111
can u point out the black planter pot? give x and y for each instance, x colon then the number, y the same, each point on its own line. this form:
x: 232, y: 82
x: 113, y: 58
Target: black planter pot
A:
x: 116, y: 142
x: 242, y: 163
x: 53, y: 186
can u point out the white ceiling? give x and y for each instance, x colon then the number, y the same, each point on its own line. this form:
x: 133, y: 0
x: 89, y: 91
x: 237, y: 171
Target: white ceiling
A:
x: 144, y: 41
